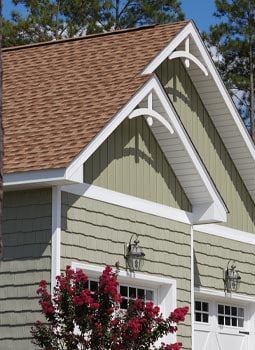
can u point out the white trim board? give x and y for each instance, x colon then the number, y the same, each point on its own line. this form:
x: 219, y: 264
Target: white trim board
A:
x: 226, y: 232
x: 47, y: 177
x: 127, y: 201
x: 56, y: 235
x: 217, y: 294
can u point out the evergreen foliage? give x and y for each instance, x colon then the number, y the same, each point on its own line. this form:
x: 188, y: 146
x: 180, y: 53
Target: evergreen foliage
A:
x: 234, y: 40
x: 53, y: 19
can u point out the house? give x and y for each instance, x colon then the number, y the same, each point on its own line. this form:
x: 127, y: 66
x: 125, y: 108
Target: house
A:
x: 129, y: 133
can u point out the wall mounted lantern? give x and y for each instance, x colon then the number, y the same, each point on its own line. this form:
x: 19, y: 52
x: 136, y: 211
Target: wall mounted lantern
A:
x: 231, y: 277
x: 134, y: 255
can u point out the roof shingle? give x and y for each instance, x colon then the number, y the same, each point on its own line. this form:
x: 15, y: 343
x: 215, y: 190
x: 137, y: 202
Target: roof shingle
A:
x: 59, y: 95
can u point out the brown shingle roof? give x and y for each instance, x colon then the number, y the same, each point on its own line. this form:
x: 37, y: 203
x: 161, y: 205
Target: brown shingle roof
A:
x: 59, y: 95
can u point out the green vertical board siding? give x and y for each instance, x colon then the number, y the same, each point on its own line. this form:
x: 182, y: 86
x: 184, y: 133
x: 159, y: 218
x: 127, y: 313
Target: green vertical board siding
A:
x: 131, y: 161
x: 26, y: 260
x: 209, y: 144
x: 95, y: 232
x: 211, y: 256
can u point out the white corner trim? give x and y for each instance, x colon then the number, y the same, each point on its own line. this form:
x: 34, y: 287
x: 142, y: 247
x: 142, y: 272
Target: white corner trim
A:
x: 218, y: 294
x: 127, y: 201
x: 56, y: 235
x: 226, y: 232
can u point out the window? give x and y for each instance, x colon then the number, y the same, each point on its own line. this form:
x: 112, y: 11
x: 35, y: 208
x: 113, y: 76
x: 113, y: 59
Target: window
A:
x: 160, y: 290
x: 230, y: 315
x: 201, y: 311
x: 127, y: 292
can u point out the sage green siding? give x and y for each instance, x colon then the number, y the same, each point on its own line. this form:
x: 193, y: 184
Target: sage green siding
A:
x: 211, y: 256
x: 95, y: 232
x: 131, y: 161
x: 209, y: 145
x: 26, y: 260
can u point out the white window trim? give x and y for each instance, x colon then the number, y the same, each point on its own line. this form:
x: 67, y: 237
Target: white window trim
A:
x: 165, y: 288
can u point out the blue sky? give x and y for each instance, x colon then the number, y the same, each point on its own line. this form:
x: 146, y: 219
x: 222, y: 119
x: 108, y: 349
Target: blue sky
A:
x: 199, y: 10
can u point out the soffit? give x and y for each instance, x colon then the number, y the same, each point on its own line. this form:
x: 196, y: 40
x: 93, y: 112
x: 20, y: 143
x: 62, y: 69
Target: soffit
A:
x: 226, y: 120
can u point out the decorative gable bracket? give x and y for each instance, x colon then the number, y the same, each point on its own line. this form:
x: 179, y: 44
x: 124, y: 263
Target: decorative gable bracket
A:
x: 188, y: 57
x: 149, y: 114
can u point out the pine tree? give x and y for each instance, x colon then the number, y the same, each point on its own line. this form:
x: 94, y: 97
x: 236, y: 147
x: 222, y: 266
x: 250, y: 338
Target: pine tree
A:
x: 54, y: 19
x: 234, y: 39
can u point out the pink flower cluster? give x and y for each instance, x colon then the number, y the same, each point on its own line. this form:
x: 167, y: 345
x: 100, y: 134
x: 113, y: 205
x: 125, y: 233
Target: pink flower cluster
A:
x: 78, y: 318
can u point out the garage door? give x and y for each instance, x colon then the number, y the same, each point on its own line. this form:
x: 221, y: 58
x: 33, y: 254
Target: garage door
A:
x: 220, y: 326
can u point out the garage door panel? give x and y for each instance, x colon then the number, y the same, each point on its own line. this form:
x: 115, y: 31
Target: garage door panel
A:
x: 202, y: 340
x: 220, y: 326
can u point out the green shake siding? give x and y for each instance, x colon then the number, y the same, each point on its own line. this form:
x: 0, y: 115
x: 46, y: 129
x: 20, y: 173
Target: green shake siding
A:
x: 26, y: 260
x: 131, y: 161
x: 95, y: 232
x: 211, y: 256
x: 209, y: 145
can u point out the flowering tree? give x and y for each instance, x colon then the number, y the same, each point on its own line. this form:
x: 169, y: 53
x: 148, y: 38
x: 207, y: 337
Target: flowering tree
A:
x: 79, y: 319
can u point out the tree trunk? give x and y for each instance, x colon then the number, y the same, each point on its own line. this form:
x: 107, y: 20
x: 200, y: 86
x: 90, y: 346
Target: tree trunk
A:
x: 252, y: 120
x: 1, y: 131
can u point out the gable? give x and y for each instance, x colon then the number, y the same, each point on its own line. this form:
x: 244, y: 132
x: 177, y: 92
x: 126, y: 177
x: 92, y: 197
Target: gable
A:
x: 131, y: 161
x: 209, y: 144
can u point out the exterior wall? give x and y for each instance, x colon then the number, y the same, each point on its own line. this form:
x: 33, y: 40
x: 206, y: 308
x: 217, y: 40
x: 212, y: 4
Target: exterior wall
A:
x: 211, y: 256
x: 94, y: 232
x: 209, y: 145
x: 132, y: 162
x: 26, y: 260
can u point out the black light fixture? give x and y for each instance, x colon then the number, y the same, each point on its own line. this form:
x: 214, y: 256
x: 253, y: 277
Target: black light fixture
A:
x: 134, y: 255
x: 231, y: 277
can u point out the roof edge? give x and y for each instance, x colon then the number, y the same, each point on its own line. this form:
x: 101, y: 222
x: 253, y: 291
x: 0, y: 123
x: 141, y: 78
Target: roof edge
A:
x: 87, y: 37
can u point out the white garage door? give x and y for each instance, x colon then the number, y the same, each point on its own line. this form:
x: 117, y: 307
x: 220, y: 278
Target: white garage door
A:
x: 220, y: 326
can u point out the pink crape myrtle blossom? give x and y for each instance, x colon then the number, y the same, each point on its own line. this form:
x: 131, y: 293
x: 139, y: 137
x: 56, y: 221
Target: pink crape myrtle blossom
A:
x: 76, y: 318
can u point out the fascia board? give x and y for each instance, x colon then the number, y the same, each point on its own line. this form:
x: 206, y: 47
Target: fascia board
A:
x: 44, y: 177
x: 153, y: 65
x: 223, y: 90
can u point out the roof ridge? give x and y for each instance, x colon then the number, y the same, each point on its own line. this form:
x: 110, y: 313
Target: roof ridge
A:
x: 90, y: 36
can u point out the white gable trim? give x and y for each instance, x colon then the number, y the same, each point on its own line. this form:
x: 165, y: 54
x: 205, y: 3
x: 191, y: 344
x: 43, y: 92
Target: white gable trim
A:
x: 176, y: 41
x: 127, y: 201
x: 190, y: 31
